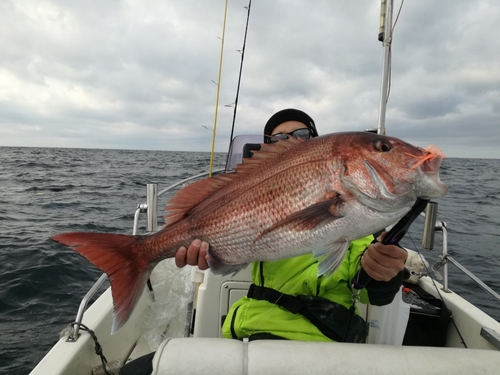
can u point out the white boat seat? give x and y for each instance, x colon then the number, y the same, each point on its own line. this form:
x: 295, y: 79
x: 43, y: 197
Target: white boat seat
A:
x: 226, y: 356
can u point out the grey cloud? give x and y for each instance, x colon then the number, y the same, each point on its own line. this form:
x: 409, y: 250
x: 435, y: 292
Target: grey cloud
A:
x: 139, y: 74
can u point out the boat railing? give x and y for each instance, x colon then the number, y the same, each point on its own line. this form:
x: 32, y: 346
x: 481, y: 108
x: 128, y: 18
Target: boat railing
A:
x: 73, y: 336
x: 150, y: 208
x: 431, y: 226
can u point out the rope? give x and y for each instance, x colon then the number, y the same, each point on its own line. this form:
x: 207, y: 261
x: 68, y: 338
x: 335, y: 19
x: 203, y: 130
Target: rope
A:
x: 245, y: 355
x: 97, y: 348
x: 458, y: 332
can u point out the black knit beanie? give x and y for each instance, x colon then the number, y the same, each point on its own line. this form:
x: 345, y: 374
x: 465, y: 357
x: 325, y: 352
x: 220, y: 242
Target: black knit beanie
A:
x: 285, y: 115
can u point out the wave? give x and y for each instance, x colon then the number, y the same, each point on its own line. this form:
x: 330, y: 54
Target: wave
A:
x: 53, y: 188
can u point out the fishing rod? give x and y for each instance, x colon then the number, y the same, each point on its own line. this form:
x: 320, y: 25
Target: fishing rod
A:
x: 395, y: 234
x: 218, y: 93
x: 241, y: 69
x: 218, y: 83
x: 239, y: 79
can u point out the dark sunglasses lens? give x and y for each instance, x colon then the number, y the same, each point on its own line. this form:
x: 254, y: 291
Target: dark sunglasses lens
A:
x: 275, y: 137
x: 302, y: 133
x: 299, y: 133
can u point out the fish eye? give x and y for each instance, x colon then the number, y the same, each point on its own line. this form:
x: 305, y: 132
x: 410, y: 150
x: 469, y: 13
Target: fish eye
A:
x: 383, y: 145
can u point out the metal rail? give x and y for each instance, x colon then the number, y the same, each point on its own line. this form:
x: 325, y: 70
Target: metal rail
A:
x: 432, y: 226
x: 83, y: 307
x: 188, y: 179
x: 473, y: 277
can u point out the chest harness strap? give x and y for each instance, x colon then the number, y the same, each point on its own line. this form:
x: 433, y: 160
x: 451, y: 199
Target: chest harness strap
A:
x: 332, y: 319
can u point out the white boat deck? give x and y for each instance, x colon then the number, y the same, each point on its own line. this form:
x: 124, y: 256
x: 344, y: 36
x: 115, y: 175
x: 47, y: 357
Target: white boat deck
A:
x: 205, y: 352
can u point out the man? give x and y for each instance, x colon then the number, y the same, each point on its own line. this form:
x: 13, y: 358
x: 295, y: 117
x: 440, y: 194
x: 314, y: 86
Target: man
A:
x: 288, y: 300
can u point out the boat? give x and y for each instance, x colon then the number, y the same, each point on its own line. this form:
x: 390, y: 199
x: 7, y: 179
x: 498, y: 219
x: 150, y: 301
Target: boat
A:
x: 179, y: 316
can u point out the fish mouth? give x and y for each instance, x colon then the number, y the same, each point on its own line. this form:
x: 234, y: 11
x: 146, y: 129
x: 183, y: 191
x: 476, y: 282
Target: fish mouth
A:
x: 430, y: 186
x: 430, y: 161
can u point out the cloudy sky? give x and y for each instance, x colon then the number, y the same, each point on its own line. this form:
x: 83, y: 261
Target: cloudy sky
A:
x: 138, y: 74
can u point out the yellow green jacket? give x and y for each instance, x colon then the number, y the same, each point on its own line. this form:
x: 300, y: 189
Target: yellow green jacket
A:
x: 299, y: 276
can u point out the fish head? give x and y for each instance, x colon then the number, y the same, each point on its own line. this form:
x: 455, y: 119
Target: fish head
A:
x: 386, y: 173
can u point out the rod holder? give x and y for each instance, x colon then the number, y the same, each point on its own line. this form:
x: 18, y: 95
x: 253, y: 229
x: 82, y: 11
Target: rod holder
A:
x: 429, y: 225
x: 383, y: 10
x: 152, y: 207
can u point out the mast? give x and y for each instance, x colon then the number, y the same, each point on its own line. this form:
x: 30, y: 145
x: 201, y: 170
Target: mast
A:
x: 385, y: 36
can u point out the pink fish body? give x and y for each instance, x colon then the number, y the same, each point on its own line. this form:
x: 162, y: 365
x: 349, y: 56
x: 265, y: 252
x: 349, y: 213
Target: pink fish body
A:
x: 293, y: 197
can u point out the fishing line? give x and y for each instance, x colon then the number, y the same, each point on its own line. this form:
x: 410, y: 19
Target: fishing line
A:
x: 264, y: 315
x: 390, y: 51
x: 424, y: 262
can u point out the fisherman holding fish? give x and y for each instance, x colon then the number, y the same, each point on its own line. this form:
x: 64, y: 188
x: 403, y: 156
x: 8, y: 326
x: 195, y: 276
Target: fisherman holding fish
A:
x: 294, y: 197
x: 311, y: 308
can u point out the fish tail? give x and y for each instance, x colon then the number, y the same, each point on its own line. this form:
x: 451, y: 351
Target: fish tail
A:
x: 116, y: 255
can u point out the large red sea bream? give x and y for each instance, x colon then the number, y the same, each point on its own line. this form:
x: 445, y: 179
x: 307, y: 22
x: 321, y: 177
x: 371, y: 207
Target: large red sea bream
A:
x: 293, y: 197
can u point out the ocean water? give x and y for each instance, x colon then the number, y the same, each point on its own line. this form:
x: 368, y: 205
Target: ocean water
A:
x: 45, y: 191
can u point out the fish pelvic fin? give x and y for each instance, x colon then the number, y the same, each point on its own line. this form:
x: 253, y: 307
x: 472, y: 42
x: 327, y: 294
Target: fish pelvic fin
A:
x: 115, y: 255
x: 220, y: 268
x: 226, y: 269
x: 330, y: 257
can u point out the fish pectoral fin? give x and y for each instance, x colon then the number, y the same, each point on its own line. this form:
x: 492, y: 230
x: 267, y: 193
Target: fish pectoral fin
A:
x: 310, y: 217
x: 330, y: 257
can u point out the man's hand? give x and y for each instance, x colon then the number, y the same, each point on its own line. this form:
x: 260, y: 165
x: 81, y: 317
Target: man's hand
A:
x: 194, y: 255
x: 383, y: 262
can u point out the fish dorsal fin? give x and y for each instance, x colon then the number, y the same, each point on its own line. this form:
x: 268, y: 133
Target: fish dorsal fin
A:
x: 267, y: 151
x: 190, y: 196
x: 185, y: 200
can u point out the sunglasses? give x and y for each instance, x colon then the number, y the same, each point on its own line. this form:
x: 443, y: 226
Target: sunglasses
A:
x: 299, y: 133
